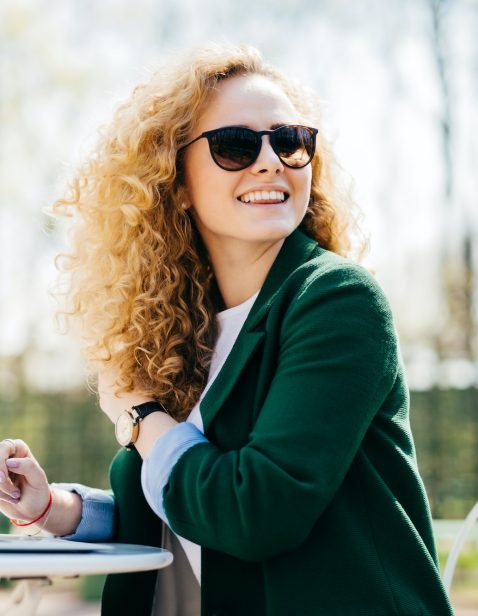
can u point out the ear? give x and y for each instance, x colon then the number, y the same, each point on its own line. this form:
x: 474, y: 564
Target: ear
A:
x: 183, y: 198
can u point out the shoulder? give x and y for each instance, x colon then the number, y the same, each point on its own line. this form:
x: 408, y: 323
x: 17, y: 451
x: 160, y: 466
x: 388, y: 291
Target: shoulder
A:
x: 336, y: 293
x: 336, y: 308
x: 327, y: 272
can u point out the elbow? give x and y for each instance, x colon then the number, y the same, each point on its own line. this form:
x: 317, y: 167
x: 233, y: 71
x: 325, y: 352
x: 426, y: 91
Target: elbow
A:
x: 263, y: 544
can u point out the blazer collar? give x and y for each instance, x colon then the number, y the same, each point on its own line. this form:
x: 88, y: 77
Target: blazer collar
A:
x: 296, y: 249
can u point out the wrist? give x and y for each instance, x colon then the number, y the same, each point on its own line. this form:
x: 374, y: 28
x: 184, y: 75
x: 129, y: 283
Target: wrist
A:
x: 65, y: 513
x: 153, y: 427
x: 130, y: 423
x: 40, y: 518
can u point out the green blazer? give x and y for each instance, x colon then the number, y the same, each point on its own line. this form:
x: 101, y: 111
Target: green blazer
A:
x: 307, y: 500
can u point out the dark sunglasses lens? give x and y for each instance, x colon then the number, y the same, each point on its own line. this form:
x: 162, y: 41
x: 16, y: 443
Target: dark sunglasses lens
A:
x: 233, y: 148
x: 295, y: 145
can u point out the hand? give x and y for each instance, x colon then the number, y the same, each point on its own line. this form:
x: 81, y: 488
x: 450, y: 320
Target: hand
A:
x: 111, y: 404
x: 24, y: 476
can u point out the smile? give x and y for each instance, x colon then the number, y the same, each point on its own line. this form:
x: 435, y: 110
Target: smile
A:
x: 264, y: 196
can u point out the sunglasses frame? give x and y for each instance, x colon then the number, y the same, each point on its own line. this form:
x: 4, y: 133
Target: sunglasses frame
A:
x: 258, y: 134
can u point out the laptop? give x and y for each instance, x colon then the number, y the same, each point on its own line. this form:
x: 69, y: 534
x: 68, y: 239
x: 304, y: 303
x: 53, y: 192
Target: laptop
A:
x: 24, y: 543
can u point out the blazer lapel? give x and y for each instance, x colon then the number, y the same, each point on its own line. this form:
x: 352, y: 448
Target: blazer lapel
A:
x: 296, y: 249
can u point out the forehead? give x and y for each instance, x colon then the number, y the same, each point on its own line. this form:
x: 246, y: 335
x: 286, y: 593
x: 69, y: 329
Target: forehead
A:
x: 248, y: 100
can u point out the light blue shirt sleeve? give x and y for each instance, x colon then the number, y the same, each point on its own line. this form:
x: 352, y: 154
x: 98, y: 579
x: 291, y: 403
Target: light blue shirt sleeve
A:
x: 98, y: 515
x: 163, y: 456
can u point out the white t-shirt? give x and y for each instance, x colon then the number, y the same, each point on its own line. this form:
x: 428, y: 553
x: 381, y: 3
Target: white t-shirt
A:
x: 229, y: 322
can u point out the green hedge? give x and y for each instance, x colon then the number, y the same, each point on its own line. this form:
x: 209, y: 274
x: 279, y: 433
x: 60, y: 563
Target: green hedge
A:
x: 445, y: 428
x: 74, y: 441
x: 70, y: 436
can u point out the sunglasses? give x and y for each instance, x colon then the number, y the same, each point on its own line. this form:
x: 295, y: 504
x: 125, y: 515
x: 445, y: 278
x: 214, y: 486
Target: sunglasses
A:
x: 234, y: 148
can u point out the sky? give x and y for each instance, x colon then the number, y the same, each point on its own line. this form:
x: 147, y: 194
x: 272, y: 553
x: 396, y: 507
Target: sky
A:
x: 373, y: 65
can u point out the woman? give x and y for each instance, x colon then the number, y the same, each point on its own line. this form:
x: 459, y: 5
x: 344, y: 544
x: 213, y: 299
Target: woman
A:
x: 211, y: 279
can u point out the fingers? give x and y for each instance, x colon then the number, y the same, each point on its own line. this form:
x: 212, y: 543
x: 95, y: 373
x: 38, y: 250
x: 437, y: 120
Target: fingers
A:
x: 9, y: 499
x: 14, y: 447
x: 7, y: 448
x: 20, y: 473
x: 8, y: 490
x: 29, y: 468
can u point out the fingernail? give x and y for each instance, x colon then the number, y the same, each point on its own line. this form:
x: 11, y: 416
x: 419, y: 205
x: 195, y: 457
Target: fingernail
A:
x: 10, y: 462
x: 16, y: 494
x: 2, y: 476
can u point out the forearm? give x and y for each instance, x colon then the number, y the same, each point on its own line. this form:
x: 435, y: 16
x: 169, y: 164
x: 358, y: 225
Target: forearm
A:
x: 153, y: 427
x: 65, y: 514
x: 97, y: 515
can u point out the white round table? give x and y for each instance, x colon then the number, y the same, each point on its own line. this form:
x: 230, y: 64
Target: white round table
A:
x: 35, y: 569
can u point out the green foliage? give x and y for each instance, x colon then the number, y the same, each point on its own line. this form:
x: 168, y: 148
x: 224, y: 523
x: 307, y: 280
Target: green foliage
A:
x: 445, y: 428
x: 91, y: 587
x: 4, y: 525
x: 467, y: 561
x: 69, y: 435
x: 74, y: 441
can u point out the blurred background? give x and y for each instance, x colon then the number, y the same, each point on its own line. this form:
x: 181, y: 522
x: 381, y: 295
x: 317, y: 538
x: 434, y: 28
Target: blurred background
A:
x: 398, y: 81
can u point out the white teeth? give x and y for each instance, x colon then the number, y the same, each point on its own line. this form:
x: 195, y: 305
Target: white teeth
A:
x: 263, y: 195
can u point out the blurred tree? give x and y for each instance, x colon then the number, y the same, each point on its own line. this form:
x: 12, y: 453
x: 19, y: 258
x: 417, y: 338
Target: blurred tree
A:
x: 456, y: 339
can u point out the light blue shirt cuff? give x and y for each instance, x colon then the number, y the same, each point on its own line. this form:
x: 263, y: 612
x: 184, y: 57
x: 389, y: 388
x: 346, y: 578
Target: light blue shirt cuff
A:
x: 163, y: 456
x: 98, y: 515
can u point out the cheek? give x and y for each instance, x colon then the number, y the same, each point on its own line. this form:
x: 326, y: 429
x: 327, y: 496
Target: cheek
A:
x: 308, y: 178
x: 210, y: 189
x: 303, y: 184
x: 194, y: 172
x: 201, y: 178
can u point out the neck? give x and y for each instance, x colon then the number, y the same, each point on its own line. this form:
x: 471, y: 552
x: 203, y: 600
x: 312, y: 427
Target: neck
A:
x: 239, y: 276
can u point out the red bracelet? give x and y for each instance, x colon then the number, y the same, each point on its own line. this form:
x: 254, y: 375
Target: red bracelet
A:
x: 50, y: 500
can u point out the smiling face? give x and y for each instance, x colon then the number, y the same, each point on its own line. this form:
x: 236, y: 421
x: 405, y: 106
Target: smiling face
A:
x: 230, y: 209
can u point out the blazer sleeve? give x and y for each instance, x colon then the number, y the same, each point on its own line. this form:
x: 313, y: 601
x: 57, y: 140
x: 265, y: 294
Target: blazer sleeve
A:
x: 338, y: 360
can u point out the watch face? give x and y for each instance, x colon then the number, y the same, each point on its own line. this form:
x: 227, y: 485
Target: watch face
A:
x: 124, y: 429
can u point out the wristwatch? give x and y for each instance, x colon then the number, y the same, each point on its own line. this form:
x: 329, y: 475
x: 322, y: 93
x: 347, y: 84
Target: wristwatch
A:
x: 127, y: 424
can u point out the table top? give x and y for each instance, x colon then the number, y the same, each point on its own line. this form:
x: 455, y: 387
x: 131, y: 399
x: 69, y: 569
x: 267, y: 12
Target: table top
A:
x: 123, y: 558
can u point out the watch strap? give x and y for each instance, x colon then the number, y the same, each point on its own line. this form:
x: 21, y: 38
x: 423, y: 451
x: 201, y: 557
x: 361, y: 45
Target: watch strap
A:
x: 144, y: 409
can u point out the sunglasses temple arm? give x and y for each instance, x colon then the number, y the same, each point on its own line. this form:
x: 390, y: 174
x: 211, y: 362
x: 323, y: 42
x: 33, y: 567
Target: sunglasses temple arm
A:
x: 190, y: 143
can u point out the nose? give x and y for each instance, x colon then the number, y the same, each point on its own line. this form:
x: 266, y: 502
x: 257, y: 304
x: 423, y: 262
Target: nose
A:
x: 267, y: 161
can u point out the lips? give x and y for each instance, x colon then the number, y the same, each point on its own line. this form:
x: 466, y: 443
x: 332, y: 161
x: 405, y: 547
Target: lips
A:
x: 264, y: 196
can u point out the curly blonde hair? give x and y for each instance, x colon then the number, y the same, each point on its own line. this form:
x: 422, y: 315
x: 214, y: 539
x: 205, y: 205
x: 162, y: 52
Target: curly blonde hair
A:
x: 140, y: 285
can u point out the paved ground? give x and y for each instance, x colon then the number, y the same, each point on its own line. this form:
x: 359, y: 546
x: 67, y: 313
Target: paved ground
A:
x: 465, y: 602
x: 65, y: 602
x: 59, y: 603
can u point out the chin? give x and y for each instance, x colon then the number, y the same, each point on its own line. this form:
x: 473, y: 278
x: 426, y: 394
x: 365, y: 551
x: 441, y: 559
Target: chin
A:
x: 276, y: 232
